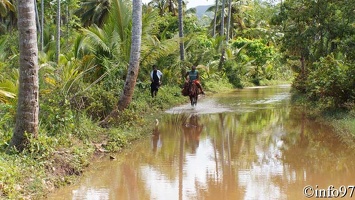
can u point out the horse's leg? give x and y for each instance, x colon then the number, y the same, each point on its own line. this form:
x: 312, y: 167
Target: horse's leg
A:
x: 195, y: 94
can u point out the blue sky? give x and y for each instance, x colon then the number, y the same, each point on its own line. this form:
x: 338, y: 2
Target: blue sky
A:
x: 192, y: 3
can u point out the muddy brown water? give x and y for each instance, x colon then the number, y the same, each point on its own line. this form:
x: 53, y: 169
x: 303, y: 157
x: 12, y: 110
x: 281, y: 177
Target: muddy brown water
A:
x: 246, y: 144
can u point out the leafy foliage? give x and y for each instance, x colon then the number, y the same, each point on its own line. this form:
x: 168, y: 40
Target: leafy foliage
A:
x: 314, y: 38
x: 331, y: 83
x: 319, y: 35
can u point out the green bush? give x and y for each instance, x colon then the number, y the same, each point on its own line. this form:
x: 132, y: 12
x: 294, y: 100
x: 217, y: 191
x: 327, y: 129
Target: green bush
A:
x: 331, y: 83
x: 56, y: 114
x: 96, y: 101
x: 234, y: 72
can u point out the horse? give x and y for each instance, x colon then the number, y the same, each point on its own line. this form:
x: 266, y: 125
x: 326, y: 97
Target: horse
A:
x: 193, y: 93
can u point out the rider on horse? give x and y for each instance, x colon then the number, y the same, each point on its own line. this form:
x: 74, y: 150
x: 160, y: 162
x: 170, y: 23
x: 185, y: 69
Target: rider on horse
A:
x: 193, y: 76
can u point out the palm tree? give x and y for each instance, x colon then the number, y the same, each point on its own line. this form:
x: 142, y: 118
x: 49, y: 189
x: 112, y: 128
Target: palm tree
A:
x: 215, y: 19
x: 42, y: 25
x: 58, y: 32
x: 132, y: 73
x: 110, y: 43
x: 229, y: 19
x: 164, y: 6
x: 28, y: 106
x: 239, y: 14
x: 172, y: 7
x: 8, y: 14
x: 126, y: 96
x: 93, y: 12
x: 181, y: 32
x: 161, y: 5
x: 222, y: 35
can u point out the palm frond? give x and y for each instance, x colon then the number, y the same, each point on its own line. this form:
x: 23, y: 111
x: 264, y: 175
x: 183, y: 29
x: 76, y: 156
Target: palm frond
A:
x: 153, y: 49
x: 97, y: 37
x: 80, y: 47
x: 9, y: 88
x: 121, y: 17
x: 3, y: 47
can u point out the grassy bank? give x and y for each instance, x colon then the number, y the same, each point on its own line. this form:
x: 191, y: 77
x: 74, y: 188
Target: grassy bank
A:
x: 344, y: 126
x: 64, y: 149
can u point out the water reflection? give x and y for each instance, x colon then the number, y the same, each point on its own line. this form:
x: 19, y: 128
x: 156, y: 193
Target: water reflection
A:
x: 192, y: 130
x: 156, y: 142
x: 264, y: 149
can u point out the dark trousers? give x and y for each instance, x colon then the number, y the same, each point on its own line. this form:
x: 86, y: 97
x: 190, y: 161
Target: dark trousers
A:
x: 154, y: 87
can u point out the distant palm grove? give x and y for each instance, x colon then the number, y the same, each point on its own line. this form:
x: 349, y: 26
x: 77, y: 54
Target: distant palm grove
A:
x: 92, y: 58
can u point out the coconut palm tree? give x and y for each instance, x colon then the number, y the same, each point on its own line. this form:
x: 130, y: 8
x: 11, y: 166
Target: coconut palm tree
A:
x: 215, y: 19
x: 42, y: 26
x: 161, y: 5
x: 58, y: 32
x: 8, y: 18
x: 28, y: 106
x: 229, y: 19
x: 132, y: 72
x: 172, y: 6
x: 109, y: 46
x: 93, y: 12
x: 111, y: 42
x: 221, y: 60
x: 166, y: 6
x: 181, y: 32
x: 239, y: 16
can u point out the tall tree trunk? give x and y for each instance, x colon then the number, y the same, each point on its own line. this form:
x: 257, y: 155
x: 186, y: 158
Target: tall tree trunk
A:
x: 229, y: 20
x: 221, y: 60
x: 38, y: 25
x: 222, y: 17
x: 181, y: 32
x: 132, y: 72
x: 67, y: 21
x: 27, y: 106
x: 42, y: 24
x: 215, y: 19
x: 58, y: 32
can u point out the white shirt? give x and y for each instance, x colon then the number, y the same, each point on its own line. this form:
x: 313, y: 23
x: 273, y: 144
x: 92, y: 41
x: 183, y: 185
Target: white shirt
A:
x: 159, y: 74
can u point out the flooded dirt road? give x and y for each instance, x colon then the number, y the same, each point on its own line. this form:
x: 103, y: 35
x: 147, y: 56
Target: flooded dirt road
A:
x: 245, y: 144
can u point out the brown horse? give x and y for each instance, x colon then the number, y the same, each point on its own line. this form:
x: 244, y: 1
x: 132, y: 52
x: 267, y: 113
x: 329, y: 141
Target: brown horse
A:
x: 193, y: 93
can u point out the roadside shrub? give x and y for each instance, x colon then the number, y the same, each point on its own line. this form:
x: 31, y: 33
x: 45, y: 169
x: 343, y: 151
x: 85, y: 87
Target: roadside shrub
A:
x: 330, y: 83
x: 55, y: 113
x: 116, y: 140
x: 7, y: 122
x: 257, y: 59
x: 234, y: 72
x: 96, y: 101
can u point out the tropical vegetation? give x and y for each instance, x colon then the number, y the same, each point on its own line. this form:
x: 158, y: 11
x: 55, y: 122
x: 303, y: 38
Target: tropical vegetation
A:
x: 86, y: 66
